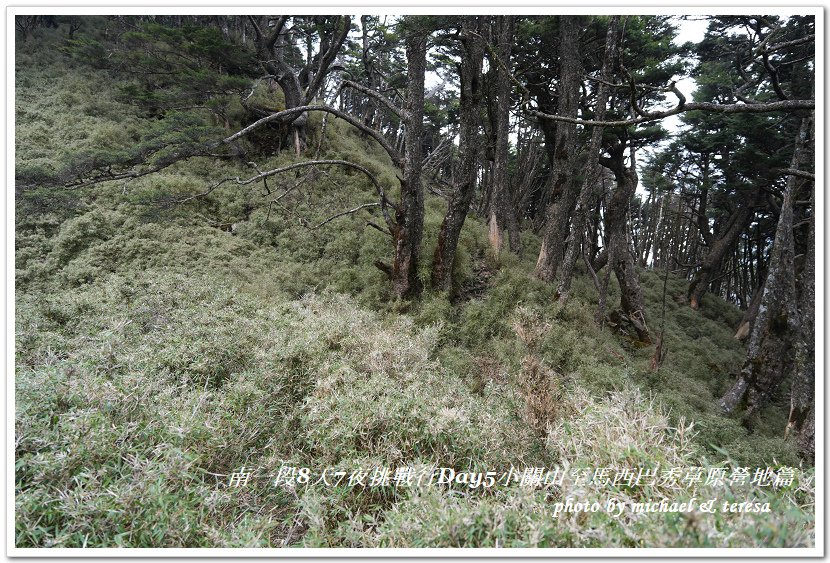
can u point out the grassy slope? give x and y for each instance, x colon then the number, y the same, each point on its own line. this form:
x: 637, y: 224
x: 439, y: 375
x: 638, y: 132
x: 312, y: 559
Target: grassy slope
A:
x: 156, y: 352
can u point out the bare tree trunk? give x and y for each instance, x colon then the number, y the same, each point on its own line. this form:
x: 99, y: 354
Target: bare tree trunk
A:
x: 564, y: 183
x: 410, y: 215
x: 465, y: 177
x: 770, y: 354
x: 503, y: 209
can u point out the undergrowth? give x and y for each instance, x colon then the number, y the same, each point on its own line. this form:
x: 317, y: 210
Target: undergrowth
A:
x: 162, y: 346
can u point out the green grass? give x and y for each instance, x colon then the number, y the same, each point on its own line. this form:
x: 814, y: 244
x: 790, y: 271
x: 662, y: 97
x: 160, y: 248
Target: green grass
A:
x: 157, y: 353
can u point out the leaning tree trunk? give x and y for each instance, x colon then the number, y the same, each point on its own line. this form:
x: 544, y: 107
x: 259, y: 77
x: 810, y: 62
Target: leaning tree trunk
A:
x: 503, y: 210
x: 410, y: 214
x: 770, y: 354
x: 465, y: 177
x: 719, y: 249
x: 565, y: 180
x: 748, y: 320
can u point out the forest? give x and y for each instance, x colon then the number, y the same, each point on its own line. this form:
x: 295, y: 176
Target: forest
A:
x: 376, y: 281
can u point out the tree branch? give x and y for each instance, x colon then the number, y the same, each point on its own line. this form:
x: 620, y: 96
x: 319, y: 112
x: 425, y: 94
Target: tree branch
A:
x: 272, y: 39
x: 787, y: 44
x: 326, y: 60
x: 783, y: 105
x: 397, y: 159
x: 342, y: 213
x: 379, y: 97
x: 799, y: 173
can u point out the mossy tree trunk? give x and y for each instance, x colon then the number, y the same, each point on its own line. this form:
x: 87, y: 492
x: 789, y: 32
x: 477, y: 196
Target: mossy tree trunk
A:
x: 410, y: 214
x: 801, y: 424
x: 503, y: 208
x: 771, y: 351
x: 565, y: 180
x: 620, y: 258
x: 465, y: 177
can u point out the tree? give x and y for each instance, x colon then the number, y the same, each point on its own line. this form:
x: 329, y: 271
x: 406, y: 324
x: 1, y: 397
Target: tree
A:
x: 299, y: 87
x: 565, y: 178
x: 770, y: 353
x: 801, y: 424
x: 470, y: 66
x: 588, y: 192
x: 408, y: 232
x: 502, y: 207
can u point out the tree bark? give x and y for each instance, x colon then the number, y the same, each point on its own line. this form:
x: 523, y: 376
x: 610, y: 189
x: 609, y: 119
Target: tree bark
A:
x: 801, y: 423
x: 748, y: 320
x: 617, y: 235
x: 770, y: 354
x: 503, y: 210
x: 590, y: 187
x: 564, y: 183
x: 410, y: 214
x: 465, y: 176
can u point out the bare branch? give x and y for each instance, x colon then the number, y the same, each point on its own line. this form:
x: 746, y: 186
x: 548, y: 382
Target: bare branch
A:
x: 787, y: 44
x: 342, y: 213
x: 257, y: 30
x: 110, y: 176
x: 378, y: 227
x: 379, y: 97
x: 799, y: 173
x: 765, y: 107
x: 384, y: 201
x: 397, y: 159
x: 326, y: 60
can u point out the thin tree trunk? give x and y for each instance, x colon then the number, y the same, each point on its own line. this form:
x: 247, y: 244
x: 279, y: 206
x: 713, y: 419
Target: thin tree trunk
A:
x: 748, y: 320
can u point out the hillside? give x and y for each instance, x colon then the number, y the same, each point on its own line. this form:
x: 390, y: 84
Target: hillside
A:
x: 162, y: 346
